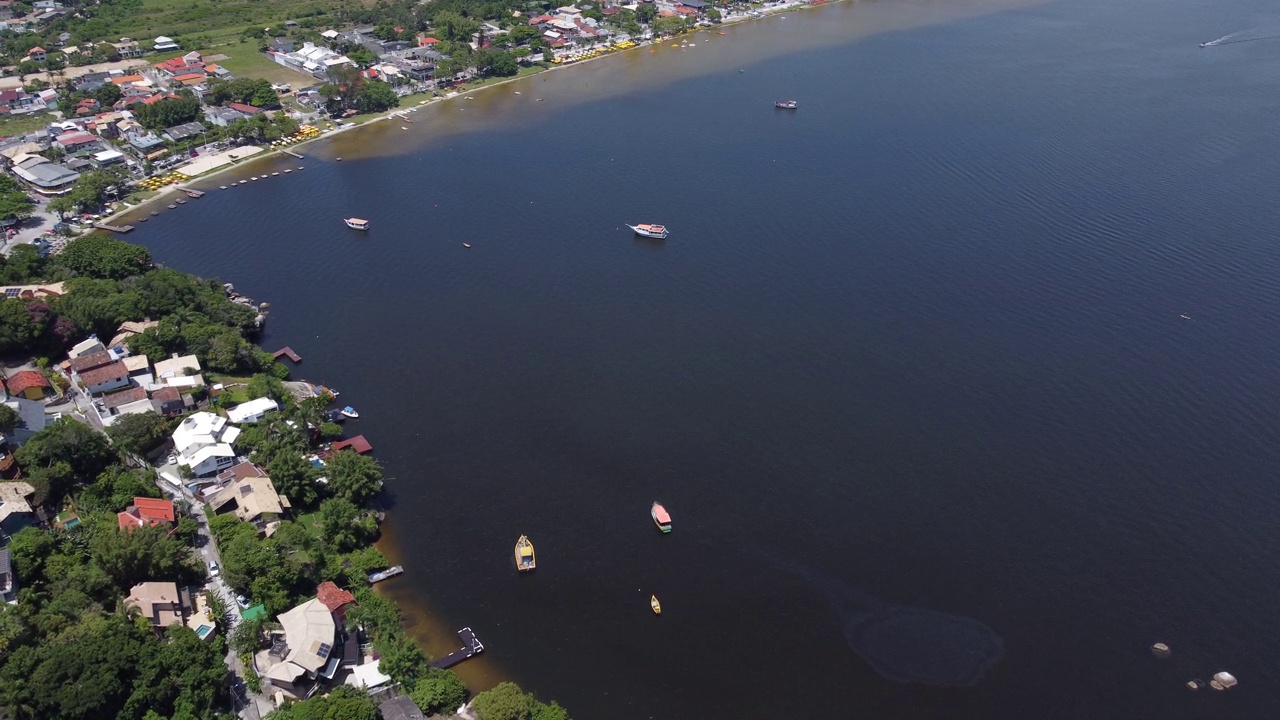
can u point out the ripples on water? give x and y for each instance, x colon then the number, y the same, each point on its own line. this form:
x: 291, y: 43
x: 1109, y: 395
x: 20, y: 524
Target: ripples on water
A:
x: 921, y: 336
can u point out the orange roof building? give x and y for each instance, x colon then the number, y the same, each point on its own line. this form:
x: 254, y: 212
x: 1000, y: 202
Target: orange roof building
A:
x: 146, y: 512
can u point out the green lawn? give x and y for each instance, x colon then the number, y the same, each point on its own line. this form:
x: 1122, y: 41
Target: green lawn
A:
x: 214, y: 19
x: 244, y: 61
x: 11, y: 125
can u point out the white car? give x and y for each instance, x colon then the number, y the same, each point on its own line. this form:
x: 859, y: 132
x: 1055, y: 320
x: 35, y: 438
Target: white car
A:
x: 213, y: 568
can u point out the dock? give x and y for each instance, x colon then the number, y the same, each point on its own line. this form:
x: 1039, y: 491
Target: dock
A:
x: 193, y: 193
x: 287, y: 352
x: 291, y: 153
x: 114, y: 228
x: 381, y: 575
x: 471, y: 646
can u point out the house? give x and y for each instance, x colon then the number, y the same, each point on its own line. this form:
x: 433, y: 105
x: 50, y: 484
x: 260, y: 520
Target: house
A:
x: 88, y: 346
x: 130, y: 401
x: 203, y: 443
x: 305, y: 652
x: 182, y: 372
x: 129, y: 328
x: 143, y: 139
x: 28, y: 384
x: 37, y: 54
x: 254, y: 500
x: 222, y: 116
x: 185, y: 131
x: 164, y: 44
x: 33, y: 417
x: 14, y: 100
x: 311, y: 59
x: 106, y: 378
x: 336, y: 599
x: 16, y: 511
x: 168, y: 401
x: 247, y: 110
x: 158, y: 602
x: 218, y: 71
x: 147, y: 512
x: 284, y: 45
x: 75, y: 140
x: 401, y: 707
x: 240, y: 471
x: 252, y: 411
x: 127, y: 48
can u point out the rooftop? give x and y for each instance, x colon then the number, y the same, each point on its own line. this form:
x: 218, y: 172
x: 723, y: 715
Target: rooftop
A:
x: 116, y: 399
x: 26, y: 379
x: 104, y: 374
x: 332, y: 596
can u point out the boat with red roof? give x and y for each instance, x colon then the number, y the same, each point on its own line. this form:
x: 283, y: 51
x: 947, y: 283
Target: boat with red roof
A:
x: 660, y: 517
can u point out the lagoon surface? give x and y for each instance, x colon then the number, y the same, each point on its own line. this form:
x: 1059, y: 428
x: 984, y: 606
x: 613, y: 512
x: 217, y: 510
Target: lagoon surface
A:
x: 909, y: 372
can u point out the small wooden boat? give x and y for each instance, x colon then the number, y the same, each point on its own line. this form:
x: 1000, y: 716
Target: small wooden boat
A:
x: 466, y: 245
x: 349, y: 412
x: 655, y: 605
x: 525, y: 558
x: 660, y: 517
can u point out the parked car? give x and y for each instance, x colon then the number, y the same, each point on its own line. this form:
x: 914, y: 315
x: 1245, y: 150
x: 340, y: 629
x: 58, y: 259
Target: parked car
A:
x: 213, y: 568
x: 242, y: 601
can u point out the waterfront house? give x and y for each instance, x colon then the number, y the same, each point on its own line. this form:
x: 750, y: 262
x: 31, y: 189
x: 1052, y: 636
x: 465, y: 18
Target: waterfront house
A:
x: 158, y: 602
x: 203, y: 443
x: 401, y: 707
x: 302, y: 653
x: 16, y: 510
x: 28, y: 384
x: 146, y: 512
x: 253, y: 500
x: 251, y: 411
x: 357, y: 444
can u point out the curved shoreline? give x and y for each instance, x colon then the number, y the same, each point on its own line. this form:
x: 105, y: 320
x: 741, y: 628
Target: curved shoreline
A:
x: 269, y: 153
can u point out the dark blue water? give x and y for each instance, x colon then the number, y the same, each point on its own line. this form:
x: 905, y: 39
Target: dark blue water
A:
x: 909, y: 372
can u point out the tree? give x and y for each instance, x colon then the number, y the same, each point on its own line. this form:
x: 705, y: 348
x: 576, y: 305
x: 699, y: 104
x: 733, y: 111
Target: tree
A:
x: 139, y: 433
x: 141, y: 554
x: 345, y: 526
x: 713, y: 14
x: 167, y: 112
x: 439, y: 692
x: 646, y: 12
x: 353, y: 477
x: 375, y: 97
x: 24, y: 325
x: 342, y: 703
x: 504, y: 702
x: 86, y: 453
x: 62, y: 205
x: 102, y: 256
x: 14, y: 203
x: 108, y: 94
x: 291, y: 476
x: 9, y: 419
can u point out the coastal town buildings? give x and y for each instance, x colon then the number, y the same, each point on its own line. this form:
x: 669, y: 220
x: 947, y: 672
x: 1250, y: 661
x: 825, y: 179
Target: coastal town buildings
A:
x: 159, y: 602
x: 253, y: 500
x: 203, y: 443
x: 302, y: 652
x: 146, y: 512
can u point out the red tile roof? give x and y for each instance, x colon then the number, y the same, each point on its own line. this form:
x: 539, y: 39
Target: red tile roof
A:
x: 427, y: 41
x: 246, y: 109
x: 332, y: 596
x: 104, y: 374
x: 124, y: 397
x: 22, y: 381
x: 36, y: 49
x: 166, y: 394
x: 146, y: 511
x: 357, y: 443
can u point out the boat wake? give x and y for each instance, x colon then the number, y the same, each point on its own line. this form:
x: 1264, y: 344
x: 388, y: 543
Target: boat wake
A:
x: 907, y: 644
x: 1270, y: 32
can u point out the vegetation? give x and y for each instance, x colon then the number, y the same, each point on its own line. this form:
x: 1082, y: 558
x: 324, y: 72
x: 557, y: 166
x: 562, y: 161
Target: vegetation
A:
x: 507, y: 701
x: 140, y: 433
x: 168, y: 112
x: 249, y: 91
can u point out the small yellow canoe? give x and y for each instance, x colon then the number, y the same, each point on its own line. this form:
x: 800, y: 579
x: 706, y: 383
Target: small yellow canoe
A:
x: 655, y: 605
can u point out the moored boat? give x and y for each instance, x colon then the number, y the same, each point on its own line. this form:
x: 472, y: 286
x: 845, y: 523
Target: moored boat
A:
x: 655, y: 605
x: 660, y: 517
x: 786, y: 104
x: 649, y: 231
x: 525, y: 558
x: 349, y: 412
x: 356, y: 223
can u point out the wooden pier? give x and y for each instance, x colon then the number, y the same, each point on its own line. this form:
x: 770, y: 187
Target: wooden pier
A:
x: 287, y: 352
x: 291, y: 153
x: 193, y: 193
x: 471, y: 646
x: 114, y: 228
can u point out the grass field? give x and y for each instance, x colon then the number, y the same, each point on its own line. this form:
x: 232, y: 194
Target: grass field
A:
x: 244, y: 61
x: 216, y: 19
x: 13, y: 125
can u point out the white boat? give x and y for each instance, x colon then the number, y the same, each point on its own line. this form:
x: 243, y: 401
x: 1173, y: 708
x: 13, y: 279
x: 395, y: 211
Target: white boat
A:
x: 649, y: 231
x: 356, y: 223
x: 349, y: 412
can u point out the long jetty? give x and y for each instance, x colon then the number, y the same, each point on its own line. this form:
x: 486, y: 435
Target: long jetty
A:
x: 292, y: 154
x: 471, y: 646
x: 287, y: 352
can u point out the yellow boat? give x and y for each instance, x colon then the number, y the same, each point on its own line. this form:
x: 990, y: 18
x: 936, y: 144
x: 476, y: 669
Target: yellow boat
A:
x: 655, y: 605
x: 525, y: 559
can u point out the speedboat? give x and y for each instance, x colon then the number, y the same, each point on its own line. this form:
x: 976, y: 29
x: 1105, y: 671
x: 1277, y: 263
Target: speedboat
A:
x: 356, y: 223
x: 349, y: 412
x: 786, y: 104
x: 525, y: 559
x: 660, y: 517
x: 655, y: 605
x: 650, y: 231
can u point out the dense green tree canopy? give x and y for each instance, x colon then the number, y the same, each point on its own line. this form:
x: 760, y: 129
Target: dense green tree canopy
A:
x: 140, y: 433
x: 353, y: 477
x: 102, y: 256
x: 439, y: 692
x: 167, y: 112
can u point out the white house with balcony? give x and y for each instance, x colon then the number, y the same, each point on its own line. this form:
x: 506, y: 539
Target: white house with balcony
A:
x: 203, y: 443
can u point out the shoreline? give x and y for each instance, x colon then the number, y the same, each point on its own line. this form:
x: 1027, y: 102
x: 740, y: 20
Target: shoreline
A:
x: 270, y: 153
